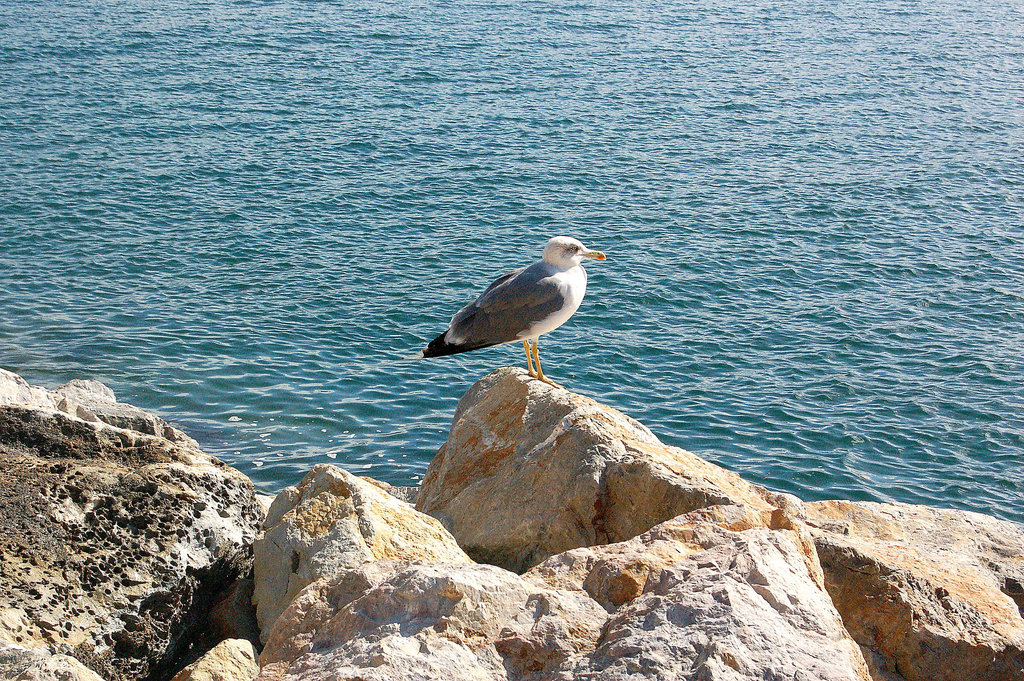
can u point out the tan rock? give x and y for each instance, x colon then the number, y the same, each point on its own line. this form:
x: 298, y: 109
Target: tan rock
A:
x: 935, y: 594
x: 530, y: 470
x: 688, y: 600
x: 233, y: 659
x: 334, y: 521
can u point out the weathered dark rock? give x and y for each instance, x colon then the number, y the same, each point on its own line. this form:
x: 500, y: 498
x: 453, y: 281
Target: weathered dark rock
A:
x: 114, y: 541
x: 234, y: 615
x: 16, y: 659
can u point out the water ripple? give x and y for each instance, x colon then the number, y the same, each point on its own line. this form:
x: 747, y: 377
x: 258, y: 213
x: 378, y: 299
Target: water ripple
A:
x: 243, y: 215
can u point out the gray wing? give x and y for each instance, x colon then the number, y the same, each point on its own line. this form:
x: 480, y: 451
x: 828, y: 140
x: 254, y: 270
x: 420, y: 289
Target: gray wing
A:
x: 509, y: 306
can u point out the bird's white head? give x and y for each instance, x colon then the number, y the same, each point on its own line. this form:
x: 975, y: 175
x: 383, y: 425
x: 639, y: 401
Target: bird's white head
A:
x: 564, y: 252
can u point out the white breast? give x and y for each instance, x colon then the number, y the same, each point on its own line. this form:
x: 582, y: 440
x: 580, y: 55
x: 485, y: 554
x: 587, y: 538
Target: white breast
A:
x: 572, y: 284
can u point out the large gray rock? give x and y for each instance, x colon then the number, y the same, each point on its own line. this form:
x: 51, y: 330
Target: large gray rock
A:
x: 691, y: 599
x: 114, y: 540
x: 391, y: 621
x: 688, y: 600
x: 932, y: 594
x: 530, y: 470
x: 333, y: 521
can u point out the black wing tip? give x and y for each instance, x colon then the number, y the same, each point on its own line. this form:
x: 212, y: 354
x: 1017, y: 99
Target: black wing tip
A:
x: 440, y: 348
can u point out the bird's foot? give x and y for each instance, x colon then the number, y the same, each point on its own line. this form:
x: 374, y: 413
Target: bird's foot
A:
x: 547, y: 380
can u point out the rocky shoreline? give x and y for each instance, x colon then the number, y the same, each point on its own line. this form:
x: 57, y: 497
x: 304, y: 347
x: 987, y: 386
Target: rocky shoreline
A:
x: 552, y: 538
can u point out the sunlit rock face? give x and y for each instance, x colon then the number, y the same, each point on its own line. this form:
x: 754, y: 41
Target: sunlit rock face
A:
x: 530, y: 470
x: 332, y: 521
x: 931, y: 594
x: 690, y: 599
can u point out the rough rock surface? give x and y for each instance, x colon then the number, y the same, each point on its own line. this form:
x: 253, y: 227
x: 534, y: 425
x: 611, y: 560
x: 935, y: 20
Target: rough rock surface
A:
x: 114, y: 540
x: 389, y: 620
x: 934, y: 594
x: 530, y: 470
x: 232, y: 659
x: 39, y: 664
x: 89, y: 401
x: 330, y: 522
x: 58, y: 668
x: 15, y: 659
x: 688, y: 600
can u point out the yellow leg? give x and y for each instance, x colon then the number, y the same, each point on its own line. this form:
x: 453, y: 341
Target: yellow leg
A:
x: 540, y: 373
x: 529, y: 362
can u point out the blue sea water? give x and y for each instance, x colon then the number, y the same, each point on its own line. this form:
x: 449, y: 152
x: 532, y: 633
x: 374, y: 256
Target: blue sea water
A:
x: 242, y: 214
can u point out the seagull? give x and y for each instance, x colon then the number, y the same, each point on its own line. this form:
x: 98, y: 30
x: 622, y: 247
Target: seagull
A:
x: 522, y: 305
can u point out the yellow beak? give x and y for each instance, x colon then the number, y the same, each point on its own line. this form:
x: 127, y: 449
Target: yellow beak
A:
x: 596, y: 255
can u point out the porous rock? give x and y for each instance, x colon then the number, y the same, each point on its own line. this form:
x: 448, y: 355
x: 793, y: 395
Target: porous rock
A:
x: 933, y: 594
x: 530, y: 470
x: 114, y: 540
x: 330, y: 522
x: 232, y: 659
x: 688, y: 600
